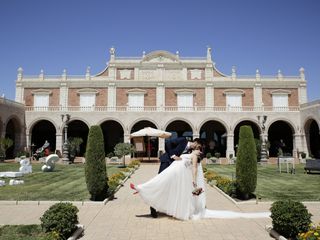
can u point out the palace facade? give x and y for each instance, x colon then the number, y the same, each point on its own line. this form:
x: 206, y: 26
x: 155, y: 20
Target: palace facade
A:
x: 187, y: 96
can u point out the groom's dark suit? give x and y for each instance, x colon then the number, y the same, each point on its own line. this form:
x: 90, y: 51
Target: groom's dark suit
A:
x: 174, y: 146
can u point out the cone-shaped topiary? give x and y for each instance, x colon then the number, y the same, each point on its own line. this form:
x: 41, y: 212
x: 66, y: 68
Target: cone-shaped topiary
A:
x: 246, y: 166
x: 95, y: 167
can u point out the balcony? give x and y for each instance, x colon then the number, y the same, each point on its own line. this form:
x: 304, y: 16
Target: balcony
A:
x: 161, y: 109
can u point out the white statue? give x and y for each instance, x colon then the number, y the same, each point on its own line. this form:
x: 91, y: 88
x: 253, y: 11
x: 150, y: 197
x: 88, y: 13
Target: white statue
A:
x: 25, y: 166
x: 50, y: 163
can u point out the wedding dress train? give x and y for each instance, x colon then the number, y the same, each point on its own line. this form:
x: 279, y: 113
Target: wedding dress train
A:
x: 170, y: 192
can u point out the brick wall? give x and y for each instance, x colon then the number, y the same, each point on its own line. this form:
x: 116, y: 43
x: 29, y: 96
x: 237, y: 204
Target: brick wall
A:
x: 171, y: 97
x: 219, y: 97
x: 54, y: 97
x: 73, y: 97
x: 248, y: 98
x: 199, y: 98
x: 102, y: 97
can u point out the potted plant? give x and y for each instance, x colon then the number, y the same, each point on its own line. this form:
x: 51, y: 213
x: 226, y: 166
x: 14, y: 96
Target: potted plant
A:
x: 123, y: 149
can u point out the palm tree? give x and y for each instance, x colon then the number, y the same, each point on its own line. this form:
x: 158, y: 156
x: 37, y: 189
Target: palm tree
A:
x: 5, y: 143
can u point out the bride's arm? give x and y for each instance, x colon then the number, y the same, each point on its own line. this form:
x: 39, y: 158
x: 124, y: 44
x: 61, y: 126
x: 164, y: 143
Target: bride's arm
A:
x: 194, y: 169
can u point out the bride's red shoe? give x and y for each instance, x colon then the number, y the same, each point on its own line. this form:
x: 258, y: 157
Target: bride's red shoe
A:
x: 133, y: 188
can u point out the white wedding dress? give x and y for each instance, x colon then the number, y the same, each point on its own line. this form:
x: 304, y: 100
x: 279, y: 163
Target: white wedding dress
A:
x: 170, y: 192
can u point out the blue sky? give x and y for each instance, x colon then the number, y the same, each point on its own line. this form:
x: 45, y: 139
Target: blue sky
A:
x: 74, y: 34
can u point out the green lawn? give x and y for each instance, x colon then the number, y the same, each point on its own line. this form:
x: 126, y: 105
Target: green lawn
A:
x: 21, y: 232
x: 66, y: 182
x: 273, y: 185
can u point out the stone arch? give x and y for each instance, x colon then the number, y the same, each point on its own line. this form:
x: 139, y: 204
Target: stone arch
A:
x: 130, y: 128
x: 214, y: 134
x: 151, y: 143
x: 113, y: 133
x: 280, y: 136
x: 180, y: 128
x: 236, y: 130
x: 31, y: 125
x: 13, y: 130
x: 42, y: 130
x: 79, y: 128
x: 311, y: 129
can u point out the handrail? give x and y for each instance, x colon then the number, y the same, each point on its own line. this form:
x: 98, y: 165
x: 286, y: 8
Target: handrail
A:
x: 160, y: 109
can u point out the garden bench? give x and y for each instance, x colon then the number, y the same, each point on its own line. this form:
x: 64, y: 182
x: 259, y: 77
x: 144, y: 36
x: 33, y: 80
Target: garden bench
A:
x: 312, y: 165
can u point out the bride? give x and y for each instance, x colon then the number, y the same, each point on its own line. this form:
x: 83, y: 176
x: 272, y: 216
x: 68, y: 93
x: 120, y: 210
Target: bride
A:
x: 179, y: 191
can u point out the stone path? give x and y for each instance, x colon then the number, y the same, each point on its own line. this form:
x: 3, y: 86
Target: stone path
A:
x: 127, y: 217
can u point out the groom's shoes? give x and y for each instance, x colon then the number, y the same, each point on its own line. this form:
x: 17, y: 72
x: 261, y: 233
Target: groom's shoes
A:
x: 154, y: 213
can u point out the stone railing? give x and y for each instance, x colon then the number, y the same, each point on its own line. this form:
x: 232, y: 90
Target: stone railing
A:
x: 160, y: 109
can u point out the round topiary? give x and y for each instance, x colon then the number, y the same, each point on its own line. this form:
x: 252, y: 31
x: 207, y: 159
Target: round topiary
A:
x: 60, y: 218
x: 246, y: 165
x: 289, y: 218
x: 95, y: 167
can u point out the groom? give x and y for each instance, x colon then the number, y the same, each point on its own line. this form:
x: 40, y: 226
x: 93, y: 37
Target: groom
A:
x: 173, y: 149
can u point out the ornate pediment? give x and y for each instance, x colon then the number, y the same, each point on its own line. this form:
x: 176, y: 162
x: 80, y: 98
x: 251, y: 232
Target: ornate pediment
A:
x: 160, y: 57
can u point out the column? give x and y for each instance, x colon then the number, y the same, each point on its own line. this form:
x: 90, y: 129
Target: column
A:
x: 59, y: 142
x: 161, y: 148
x: 111, y: 95
x: 230, y: 145
x: 257, y: 92
x: 302, y: 91
x: 63, y: 95
x: 160, y: 96
x: 209, y: 95
x: 19, y: 93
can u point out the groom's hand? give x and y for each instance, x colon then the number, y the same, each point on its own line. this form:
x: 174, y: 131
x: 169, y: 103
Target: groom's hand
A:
x: 176, y: 158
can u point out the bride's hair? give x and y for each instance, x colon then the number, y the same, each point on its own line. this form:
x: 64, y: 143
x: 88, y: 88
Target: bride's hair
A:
x: 200, y: 157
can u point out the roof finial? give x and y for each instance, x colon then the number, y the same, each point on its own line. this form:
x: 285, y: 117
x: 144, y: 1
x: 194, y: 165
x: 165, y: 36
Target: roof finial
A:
x: 88, y: 77
x: 143, y: 54
x: 41, y: 75
x: 177, y: 54
x: 233, y: 75
x: 209, y: 59
x: 258, y: 76
x: 20, y: 74
x: 302, y: 76
x: 280, y: 76
x: 112, y: 52
x: 64, y: 74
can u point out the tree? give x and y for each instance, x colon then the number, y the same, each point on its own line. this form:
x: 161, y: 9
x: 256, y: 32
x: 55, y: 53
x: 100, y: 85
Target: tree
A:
x: 246, y: 166
x: 5, y: 143
x: 74, y: 147
x: 95, y: 167
x: 123, y: 149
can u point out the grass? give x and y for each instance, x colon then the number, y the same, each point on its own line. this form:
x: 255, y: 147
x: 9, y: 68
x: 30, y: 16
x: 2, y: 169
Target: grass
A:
x: 21, y: 232
x: 65, y: 183
x: 273, y: 185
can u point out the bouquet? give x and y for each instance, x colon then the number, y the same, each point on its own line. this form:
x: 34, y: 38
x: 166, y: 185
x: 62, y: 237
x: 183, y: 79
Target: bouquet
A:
x: 197, y: 191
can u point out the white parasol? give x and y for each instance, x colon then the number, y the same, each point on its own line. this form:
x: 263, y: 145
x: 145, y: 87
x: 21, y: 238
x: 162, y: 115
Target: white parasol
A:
x: 150, y: 132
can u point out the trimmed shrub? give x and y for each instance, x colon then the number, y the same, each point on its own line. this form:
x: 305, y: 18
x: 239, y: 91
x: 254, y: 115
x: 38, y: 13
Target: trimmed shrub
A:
x: 60, y: 219
x: 289, y: 218
x: 95, y: 167
x: 246, y: 165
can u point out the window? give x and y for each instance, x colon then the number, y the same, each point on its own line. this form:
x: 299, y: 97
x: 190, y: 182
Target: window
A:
x: 41, y: 102
x: 280, y: 102
x: 136, y: 101
x: 185, y: 101
x: 234, y: 102
x: 87, y: 101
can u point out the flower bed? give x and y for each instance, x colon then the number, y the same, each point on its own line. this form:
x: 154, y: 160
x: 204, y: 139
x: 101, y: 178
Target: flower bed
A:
x: 116, y: 180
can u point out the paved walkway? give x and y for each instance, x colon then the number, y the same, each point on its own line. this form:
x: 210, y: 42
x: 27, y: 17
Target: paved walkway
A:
x: 127, y: 217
